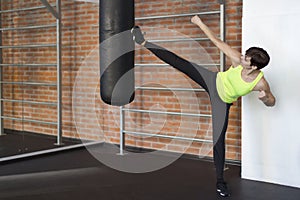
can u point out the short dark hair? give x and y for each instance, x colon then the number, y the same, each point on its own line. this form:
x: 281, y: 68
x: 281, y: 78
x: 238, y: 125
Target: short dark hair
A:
x: 259, y: 57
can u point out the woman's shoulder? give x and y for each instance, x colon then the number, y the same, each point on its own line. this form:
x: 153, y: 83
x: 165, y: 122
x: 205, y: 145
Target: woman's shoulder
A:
x: 262, y: 84
x: 232, y: 67
x: 236, y: 66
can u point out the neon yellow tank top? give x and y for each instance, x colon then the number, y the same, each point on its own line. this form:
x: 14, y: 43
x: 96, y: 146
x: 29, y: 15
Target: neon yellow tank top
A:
x: 231, y: 86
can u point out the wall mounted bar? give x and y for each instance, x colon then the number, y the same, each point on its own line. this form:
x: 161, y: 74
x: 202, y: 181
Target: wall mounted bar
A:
x: 29, y: 102
x: 178, y: 15
x: 168, y: 137
x: 25, y: 9
x: 57, y: 14
x: 28, y: 46
x: 27, y: 27
x: 28, y: 120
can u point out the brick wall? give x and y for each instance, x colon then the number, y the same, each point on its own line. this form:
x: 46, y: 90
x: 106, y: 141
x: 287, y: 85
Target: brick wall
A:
x: 20, y: 90
x: 84, y: 114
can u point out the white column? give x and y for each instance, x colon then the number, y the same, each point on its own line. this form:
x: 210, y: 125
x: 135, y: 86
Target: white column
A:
x: 271, y: 136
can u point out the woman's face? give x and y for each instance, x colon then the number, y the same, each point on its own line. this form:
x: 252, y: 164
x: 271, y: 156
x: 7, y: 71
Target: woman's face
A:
x: 246, y: 61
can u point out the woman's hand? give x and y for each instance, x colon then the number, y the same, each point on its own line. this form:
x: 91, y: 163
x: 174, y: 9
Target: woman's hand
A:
x: 196, y: 20
x: 262, y: 95
x: 267, y: 98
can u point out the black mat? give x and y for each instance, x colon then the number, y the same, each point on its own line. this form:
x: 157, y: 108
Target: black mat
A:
x: 76, y: 175
x: 18, y: 142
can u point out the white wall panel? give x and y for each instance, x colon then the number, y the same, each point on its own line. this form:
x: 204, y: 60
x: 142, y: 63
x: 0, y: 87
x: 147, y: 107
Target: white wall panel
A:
x: 271, y: 136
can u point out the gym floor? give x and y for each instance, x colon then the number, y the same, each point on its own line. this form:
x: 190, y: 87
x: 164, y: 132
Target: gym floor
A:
x: 19, y: 142
x: 76, y: 174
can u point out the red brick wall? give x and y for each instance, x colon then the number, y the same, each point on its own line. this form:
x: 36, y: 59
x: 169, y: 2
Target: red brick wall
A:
x: 27, y: 74
x: 84, y: 114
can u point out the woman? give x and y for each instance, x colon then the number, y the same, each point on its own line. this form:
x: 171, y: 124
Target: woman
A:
x: 223, y: 88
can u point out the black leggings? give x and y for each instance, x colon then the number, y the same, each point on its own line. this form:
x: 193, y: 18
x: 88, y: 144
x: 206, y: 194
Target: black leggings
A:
x: 207, y: 80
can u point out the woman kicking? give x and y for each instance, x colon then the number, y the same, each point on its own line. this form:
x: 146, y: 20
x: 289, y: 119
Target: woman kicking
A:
x: 223, y: 88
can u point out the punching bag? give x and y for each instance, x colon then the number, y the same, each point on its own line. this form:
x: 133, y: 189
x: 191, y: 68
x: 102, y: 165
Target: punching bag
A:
x: 116, y: 51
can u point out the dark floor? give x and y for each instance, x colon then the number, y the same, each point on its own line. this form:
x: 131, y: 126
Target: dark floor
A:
x: 76, y: 175
x: 19, y: 142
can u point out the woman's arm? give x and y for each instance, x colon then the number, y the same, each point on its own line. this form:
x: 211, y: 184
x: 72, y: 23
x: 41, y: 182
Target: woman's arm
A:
x: 265, y: 94
x: 233, y: 54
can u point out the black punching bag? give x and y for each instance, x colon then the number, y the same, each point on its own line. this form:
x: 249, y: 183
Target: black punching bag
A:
x: 116, y: 51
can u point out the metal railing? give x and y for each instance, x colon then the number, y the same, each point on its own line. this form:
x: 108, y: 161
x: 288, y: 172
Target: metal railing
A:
x: 165, y: 65
x: 179, y: 15
x: 26, y: 9
x: 57, y: 14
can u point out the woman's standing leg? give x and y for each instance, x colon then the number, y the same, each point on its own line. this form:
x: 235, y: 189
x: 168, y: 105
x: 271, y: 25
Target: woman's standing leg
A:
x: 220, y: 110
x: 220, y: 114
